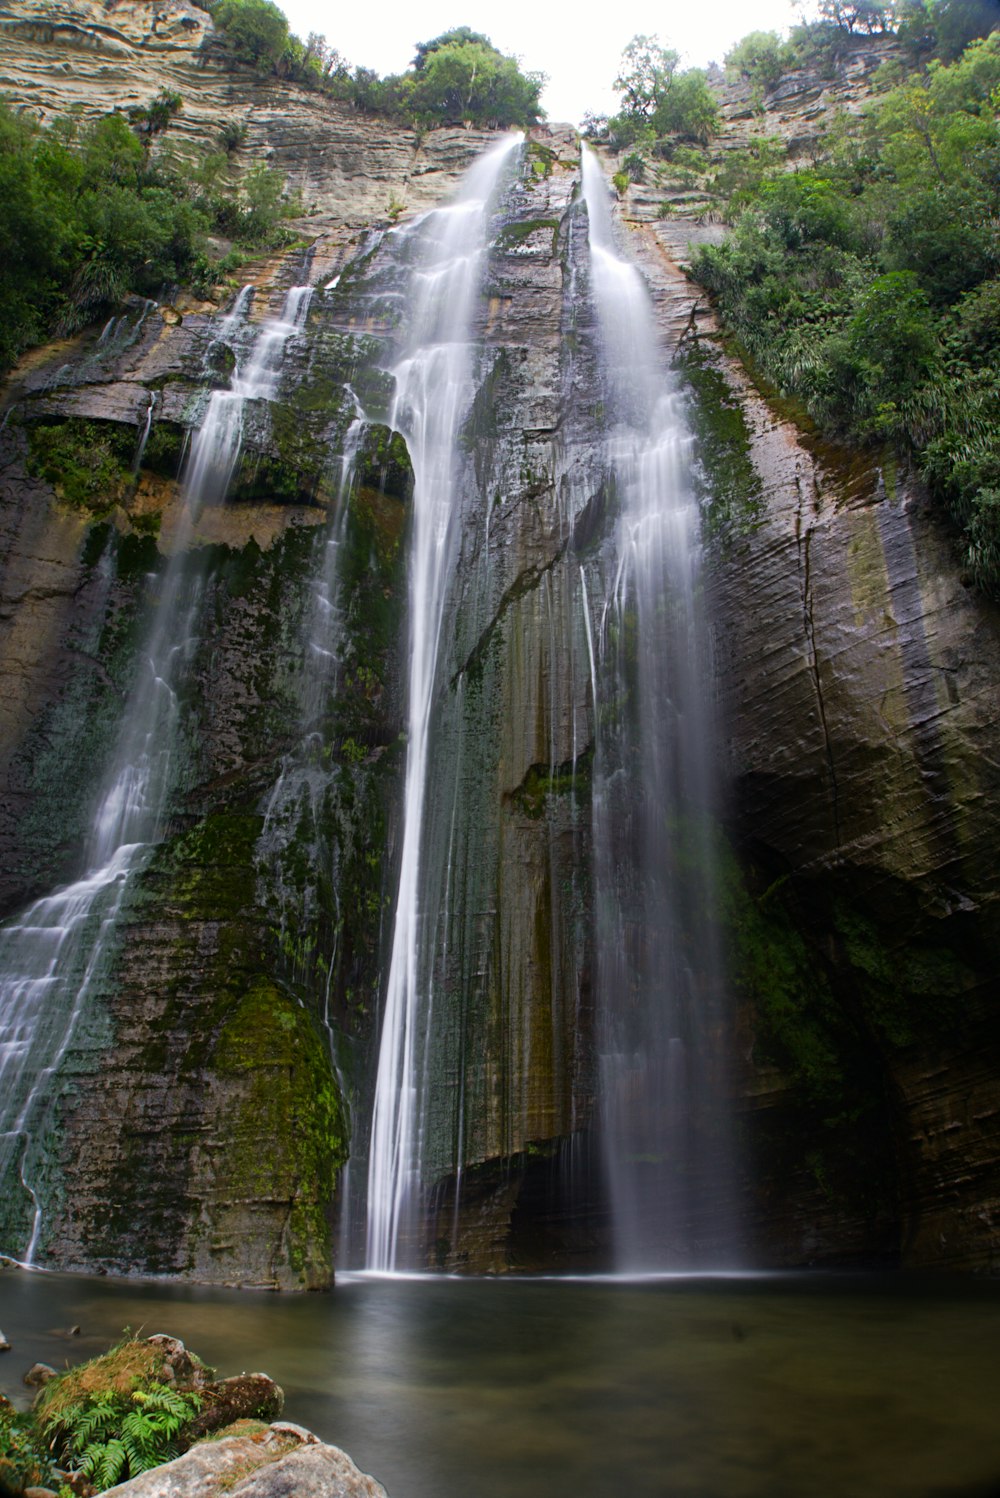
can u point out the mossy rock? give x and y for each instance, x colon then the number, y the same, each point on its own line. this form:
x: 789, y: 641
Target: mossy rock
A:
x: 286, y: 1133
x: 730, y: 488
x: 164, y: 450
x: 87, y: 463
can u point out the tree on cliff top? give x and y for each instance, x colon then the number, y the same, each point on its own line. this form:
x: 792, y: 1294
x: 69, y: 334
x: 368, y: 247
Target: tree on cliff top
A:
x: 658, y: 98
x: 461, y: 76
x: 256, y: 29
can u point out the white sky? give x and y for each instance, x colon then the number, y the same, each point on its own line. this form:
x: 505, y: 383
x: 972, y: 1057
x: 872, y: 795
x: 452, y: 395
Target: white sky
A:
x: 578, y: 50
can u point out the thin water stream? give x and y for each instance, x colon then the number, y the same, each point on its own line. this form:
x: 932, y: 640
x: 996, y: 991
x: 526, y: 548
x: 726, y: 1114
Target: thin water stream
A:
x: 807, y: 1386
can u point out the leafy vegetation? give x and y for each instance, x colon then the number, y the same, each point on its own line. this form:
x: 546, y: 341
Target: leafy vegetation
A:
x: 456, y: 77
x: 761, y: 57
x: 659, y: 101
x: 25, y: 1461
x: 88, y: 216
x: 116, y: 1436
x: 868, y: 284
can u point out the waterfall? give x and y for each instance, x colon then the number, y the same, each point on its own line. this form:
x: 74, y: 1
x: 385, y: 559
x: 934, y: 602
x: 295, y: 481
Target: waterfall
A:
x: 52, y: 957
x: 434, y: 386
x: 660, y: 1056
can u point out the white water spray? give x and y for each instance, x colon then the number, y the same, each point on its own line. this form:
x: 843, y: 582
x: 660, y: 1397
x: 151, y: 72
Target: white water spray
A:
x: 660, y: 1053
x: 434, y: 390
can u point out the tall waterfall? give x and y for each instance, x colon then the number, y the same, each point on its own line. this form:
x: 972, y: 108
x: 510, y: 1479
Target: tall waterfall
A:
x: 434, y: 383
x: 660, y: 1054
x: 53, y: 956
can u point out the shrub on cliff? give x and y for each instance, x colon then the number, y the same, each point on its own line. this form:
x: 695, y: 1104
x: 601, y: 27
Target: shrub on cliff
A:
x: 86, y: 217
x: 869, y: 286
x: 660, y: 99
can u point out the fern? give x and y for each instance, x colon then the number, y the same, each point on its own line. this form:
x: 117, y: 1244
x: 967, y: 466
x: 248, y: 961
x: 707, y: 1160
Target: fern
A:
x: 114, y: 1437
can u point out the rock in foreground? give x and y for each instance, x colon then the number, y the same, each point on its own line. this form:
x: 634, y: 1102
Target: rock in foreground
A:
x: 283, y: 1461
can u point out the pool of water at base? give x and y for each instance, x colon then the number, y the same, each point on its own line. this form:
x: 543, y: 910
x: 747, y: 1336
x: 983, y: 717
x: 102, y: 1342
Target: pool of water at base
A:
x: 779, y: 1386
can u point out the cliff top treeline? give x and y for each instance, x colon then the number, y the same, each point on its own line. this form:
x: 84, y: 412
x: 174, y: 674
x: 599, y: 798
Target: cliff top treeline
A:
x: 456, y: 77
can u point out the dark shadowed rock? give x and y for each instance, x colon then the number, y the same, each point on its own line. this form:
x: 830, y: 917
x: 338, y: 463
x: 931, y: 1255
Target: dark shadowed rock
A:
x: 248, y: 1396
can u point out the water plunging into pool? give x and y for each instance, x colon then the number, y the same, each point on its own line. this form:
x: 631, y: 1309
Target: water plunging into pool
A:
x: 660, y: 1049
x: 434, y: 383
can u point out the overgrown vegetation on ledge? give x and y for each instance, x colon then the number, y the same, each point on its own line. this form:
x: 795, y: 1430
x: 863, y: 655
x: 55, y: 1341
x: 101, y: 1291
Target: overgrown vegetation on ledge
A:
x: 867, y: 284
x: 88, y: 216
x: 457, y: 77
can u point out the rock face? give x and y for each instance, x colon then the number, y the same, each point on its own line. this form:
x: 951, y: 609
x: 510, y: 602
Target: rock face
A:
x: 857, y: 685
x: 283, y: 1461
x: 81, y: 58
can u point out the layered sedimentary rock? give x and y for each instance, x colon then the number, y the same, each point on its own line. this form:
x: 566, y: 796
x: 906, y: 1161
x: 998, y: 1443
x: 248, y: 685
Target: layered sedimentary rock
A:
x: 857, y: 680
x: 79, y: 58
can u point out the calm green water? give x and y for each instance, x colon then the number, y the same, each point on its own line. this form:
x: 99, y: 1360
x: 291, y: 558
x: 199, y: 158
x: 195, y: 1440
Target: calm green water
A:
x: 778, y: 1387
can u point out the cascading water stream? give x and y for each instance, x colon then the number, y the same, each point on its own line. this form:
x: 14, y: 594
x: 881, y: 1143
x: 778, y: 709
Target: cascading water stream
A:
x: 52, y: 956
x: 434, y: 389
x: 659, y: 990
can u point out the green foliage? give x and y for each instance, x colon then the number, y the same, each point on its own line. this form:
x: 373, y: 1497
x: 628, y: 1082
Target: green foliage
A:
x: 86, y: 217
x: 869, y: 286
x: 944, y: 28
x: 657, y: 99
x: 86, y: 462
x: 455, y: 77
x: 256, y: 29
x: 113, y: 1437
x: 24, y: 1459
x: 153, y: 118
x: 461, y: 76
x: 761, y: 57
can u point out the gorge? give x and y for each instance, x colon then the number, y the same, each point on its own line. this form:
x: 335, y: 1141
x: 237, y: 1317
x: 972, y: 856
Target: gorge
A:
x: 373, y: 754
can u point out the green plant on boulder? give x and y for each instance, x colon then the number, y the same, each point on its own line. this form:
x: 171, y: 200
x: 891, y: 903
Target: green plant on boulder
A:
x: 115, y: 1437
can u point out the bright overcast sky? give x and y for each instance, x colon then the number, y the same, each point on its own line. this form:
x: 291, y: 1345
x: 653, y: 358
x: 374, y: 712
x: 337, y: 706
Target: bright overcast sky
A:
x: 579, y: 52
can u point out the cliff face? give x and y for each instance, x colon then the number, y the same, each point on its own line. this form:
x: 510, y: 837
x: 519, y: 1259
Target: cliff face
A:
x: 857, y: 684
x: 80, y: 58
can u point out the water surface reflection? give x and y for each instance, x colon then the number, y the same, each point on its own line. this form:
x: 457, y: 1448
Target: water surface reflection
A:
x: 774, y: 1387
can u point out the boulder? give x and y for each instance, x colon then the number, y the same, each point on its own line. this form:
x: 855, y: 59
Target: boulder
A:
x: 250, y: 1396
x: 38, y: 1375
x: 283, y: 1461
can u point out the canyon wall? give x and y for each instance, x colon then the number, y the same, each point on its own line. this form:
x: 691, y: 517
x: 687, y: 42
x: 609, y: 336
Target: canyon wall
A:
x: 207, y: 1101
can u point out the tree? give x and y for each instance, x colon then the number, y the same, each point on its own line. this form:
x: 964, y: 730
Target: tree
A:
x: 761, y: 57
x: 944, y: 28
x: 459, y: 36
x: 870, y: 17
x: 646, y: 72
x: 462, y: 76
x: 657, y: 99
x: 257, y: 29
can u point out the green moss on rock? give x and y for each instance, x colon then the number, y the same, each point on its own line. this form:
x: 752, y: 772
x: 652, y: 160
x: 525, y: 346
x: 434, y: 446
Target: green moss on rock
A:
x: 88, y: 463
x: 731, y: 492
x: 285, y: 1126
